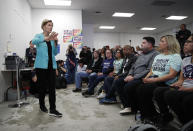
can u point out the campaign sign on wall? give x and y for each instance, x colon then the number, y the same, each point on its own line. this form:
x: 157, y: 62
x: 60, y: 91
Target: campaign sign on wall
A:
x: 77, y: 45
x: 74, y: 36
x: 68, y: 32
x: 67, y: 39
x: 77, y: 32
x: 77, y: 39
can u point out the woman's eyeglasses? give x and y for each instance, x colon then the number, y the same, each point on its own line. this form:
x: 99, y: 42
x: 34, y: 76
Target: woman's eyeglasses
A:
x: 188, y: 41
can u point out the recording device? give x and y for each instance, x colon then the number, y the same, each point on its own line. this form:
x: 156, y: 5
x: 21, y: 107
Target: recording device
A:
x: 153, y: 76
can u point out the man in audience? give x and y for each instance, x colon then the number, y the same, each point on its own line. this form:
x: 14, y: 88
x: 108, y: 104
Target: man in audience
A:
x: 30, y: 54
x: 96, y: 78
x: 93, y: 68
x: 182, y: 36
x: 138, y: 71
x: 86, y: 55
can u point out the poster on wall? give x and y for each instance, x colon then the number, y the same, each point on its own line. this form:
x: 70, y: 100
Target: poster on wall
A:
x: 67, y: 39
x: 77, y: 39
x: 77, y: 32
x: 73, y: 36
x: 68, y: 33
x: 58, y: 48
x: 77, y: 45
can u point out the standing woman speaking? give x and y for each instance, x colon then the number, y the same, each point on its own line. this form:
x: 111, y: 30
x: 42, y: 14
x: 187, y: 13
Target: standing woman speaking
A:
x: 45, y: 65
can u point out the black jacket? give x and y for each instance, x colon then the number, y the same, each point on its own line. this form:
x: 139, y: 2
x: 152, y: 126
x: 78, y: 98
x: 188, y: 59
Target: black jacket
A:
x: 97, y: 67
x: 126, y: 66
x: 86, y: 57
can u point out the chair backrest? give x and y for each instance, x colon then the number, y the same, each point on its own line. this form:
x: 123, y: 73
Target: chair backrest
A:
x: 188, y: 126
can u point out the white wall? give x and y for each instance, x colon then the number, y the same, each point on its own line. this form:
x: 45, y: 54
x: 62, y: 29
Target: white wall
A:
x: 88, y: 33
x: 98, y: 40
x: 16, y: 28
x: 62, y: 19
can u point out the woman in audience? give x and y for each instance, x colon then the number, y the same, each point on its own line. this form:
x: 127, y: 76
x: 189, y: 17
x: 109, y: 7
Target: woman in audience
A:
x: 164, y: 72
x: 92, y: 69
x: 94, y: 79
x: 102, y: 53
x: 180, y: 95
x: 117, y: 64
x: 45, y: 65
x: 81, y: 66
x: 60, y: 75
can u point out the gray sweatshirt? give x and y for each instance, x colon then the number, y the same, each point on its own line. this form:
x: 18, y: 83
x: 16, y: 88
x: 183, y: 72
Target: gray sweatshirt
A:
x: 143, y: 64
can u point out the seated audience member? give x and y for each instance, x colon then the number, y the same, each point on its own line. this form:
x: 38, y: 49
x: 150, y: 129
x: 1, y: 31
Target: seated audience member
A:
x: 117, y: 64
x: 86, y: 55
x: 133, y: 49
x: 179, y: 95
x: 60, y: 75
x: 109, y: 87
x: 94, y: 79
x: 93, y: 68
x: 138, y: 71
x: 30, y: 55
x: 164, y: 71
x: 81, y: 66
x: 102, y: 53
x: 138, y: 49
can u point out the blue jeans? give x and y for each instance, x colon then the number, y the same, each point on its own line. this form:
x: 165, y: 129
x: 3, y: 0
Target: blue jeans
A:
x: 94, y: 79
x: 78, y: 78
x: 108, y: 84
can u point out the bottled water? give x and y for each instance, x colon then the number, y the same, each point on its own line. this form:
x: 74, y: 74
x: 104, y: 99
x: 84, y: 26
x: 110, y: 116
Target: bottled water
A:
x: 138, y: 117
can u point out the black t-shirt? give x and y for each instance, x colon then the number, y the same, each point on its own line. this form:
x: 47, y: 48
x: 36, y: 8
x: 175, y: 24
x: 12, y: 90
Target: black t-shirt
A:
x: 49, y: 55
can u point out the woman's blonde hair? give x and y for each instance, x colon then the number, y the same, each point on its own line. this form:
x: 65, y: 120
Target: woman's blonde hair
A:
x: 44, y: 22
x: 173, y: 44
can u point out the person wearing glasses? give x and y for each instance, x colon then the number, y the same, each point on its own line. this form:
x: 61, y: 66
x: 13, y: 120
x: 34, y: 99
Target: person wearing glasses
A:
x: 179, y: 96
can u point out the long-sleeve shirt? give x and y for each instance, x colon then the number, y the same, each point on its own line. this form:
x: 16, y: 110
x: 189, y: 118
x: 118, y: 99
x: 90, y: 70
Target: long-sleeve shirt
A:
x: 143, y: 64
x: 107, y: 63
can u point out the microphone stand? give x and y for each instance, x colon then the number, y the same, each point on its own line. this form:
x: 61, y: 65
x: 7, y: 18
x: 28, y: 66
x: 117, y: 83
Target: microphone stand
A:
x: 19, y: 102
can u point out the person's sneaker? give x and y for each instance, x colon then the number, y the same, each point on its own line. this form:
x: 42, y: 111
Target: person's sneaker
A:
x: 87, y: 93
x: 101, y: 95
x: 44, y: 109
x: 107, y: 101
x: 77, y: 90
x: 125, y: 111
x: 55, y: 113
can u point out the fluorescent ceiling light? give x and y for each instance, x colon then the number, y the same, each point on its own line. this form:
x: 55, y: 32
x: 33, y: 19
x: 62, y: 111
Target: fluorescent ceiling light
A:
x: 58, y: 2
x: 176, y: 17
x: 107, y: 27
x: 121, y: 14
x: 147, y: 28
